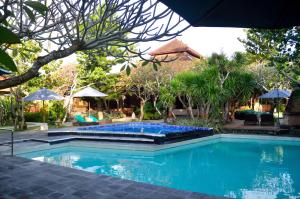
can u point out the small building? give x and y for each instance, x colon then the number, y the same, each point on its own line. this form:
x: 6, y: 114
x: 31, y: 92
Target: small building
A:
x: 183, y: 56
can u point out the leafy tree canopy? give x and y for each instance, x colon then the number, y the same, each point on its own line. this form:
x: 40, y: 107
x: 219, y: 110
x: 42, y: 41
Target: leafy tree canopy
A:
x: 215, y: 84
x: 280, y: 48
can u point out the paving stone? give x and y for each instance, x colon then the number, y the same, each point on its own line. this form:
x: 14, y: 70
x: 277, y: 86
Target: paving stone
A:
x: 23, y: 178
x: 120, y: 194
x: 91, y: 195
x: 43, y: 192
x: 81, y: 192
x: 55, y: 195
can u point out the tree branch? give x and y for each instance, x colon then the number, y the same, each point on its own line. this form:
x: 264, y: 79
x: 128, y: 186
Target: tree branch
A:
x: 34, y: 70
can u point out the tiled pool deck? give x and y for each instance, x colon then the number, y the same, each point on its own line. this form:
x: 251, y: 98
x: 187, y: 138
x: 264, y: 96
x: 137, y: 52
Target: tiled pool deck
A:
x: 24, y: 178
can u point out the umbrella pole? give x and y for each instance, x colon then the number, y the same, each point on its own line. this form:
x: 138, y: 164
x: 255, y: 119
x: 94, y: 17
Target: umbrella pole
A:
x: 44, y: 117
x: 278, y: 109
x: 278, y: 101
x: 89, y: 107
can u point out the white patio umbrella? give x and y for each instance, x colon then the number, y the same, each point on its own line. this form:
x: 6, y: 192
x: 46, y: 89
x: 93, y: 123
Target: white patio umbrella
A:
x: 89, y: 92
x: 43, y: 94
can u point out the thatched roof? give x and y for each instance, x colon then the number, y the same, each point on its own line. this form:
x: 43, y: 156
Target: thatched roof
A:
x: 174, y: 47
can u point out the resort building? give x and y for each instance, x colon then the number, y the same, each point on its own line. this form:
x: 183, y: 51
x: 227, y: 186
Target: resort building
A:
x: 183, y: 57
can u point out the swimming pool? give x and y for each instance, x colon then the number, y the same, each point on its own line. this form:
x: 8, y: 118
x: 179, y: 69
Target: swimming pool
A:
x: 157, y: 133
x: 238, y: 168
x: 145, y: 128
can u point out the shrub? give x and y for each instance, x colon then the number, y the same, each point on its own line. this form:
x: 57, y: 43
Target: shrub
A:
x: 114, y: 115
x: 150, y: 112
x: 34, y: 116
x: 56, y: 111
x: 216, y: 125
x: 152, y: 116
x: 5, y: 112
x: 149, y: 108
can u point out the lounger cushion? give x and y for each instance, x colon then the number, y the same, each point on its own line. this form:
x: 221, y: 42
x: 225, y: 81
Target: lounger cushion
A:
x: 79, y: 118
x: 267, y: 119
x: 93, y: 119
x: 251, y: 119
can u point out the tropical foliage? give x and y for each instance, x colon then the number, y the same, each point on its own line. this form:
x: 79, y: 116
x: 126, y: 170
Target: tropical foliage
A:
x: 5, y: 110
x: 146, y: 83
x: 94, y: 70
x: 278, y: 48
x: 213, y: 88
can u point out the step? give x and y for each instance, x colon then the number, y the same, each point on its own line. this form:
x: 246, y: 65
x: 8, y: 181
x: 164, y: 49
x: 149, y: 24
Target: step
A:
x: 94, y: 138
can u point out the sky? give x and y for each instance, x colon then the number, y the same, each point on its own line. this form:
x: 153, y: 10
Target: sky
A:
x: 208, y: 40
x: 202, y: 39
x: 205, y: 41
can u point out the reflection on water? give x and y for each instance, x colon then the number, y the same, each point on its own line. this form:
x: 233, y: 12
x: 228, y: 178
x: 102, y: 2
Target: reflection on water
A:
x: 233, y: 169
x: 273, y: 156
x: 268, y: 186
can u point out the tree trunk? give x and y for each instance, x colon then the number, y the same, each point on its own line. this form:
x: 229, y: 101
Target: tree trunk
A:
x: 226, y: 111
x: 190, y: 111
x: 118, y: 105
x: 12, y: 108
x: 190, y: 108
x: 142, y: 104
x: 182, y: 102
x: 207, y: 109
x: 155, y: 105
x: 106, y: 105
x: 22, y: 115
x: 171, y: 110
x: 201, y: 110
x: 166, y: 115
x: 198, y: 111
x: 122, y: 103
x: 252, y: 103
x: 70, y: 101
x: 17, y: 109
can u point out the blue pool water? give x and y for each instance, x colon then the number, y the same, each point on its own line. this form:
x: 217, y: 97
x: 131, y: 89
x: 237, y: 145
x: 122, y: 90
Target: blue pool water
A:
x: 229, y: 167
x: 142, y: 127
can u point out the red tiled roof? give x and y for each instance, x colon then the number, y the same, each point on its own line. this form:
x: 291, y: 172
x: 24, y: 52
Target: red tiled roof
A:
x: 175, y: 46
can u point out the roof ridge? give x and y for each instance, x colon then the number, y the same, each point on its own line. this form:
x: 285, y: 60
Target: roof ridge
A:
x: 174, y: 46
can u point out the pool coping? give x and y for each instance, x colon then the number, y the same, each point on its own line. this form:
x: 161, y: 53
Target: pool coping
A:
x: 150, y: 148
x: 52, y: 133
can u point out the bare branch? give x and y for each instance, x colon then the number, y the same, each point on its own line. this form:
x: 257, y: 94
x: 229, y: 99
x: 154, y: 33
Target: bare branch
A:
x: 94, y: 24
